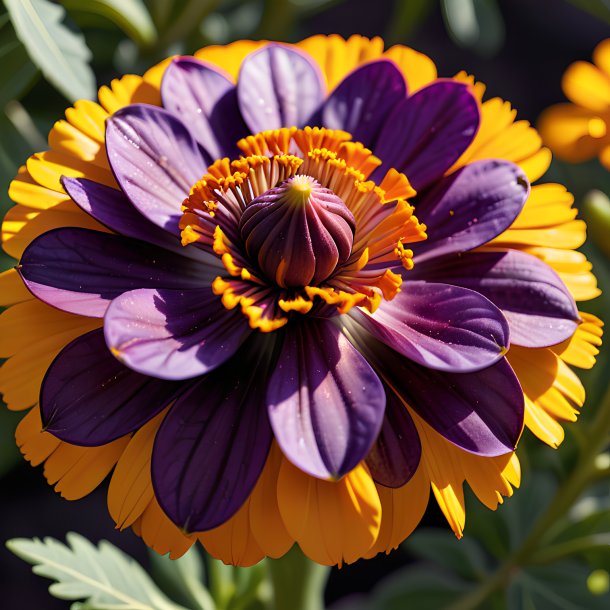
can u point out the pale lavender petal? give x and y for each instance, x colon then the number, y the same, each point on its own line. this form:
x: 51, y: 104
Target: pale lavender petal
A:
x: 112, y: 208
x: 470, y: 207
x: 89, y: 398
x: 538, y: 307
x: 205, y: 100
x: 395, y: 455
x: 213, y: 444
x: 81, y: 271
x: 325, y: 402
x: 362, y: 101
x: 428, y: 132
x: 278, y: 87
x: 173, y: 334
x: 155, y: 160
x: 439, y: 326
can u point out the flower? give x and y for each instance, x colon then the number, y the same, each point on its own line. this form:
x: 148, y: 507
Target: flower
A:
x: 580, y: 131
x: 283, y: 291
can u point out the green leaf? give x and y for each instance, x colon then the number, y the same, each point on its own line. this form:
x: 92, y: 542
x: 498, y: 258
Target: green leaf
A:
x: 18, y: 71
x: 477, y: 24
x: 598, y: 8
x: 131, y: 16
x: 104, y: 576
x: 561, y: 587
x: 463, y: 557
x: 61, y: 54
x: 183, y: 578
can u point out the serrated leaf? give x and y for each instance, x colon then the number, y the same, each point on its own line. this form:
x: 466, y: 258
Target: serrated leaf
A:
x: 18, y: 71
x: 131, y: 16
x: 61, y: 54
x: 463, y: 557
x: 103, y: 576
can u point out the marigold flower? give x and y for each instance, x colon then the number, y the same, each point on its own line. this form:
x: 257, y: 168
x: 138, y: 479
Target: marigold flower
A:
x: 282, y: 291
x: 580, y: 131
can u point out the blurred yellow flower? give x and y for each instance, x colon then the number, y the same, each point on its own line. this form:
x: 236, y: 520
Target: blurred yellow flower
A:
x: 580, y: 131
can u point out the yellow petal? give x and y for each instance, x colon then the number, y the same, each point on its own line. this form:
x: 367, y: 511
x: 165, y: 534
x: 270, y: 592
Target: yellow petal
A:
x: 418, y: 69
x: 130, y: 490
x: 160, y: 534
x: 25, y: 190
x: 233, y: 542
x: 229, y: 57
x: 547, y: 205
x: 582, y: 348
x: 402, y: 510
x: 587, y: 86
x: 568, y: 235
x: 337, y: 56
x: 333, y: 522
x: 129, y: 89
x: 601, y: 56
x: 569, y: 132
x: 12, y: 291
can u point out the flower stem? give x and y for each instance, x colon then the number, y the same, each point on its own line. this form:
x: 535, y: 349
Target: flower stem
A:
x: 298, y: 583
x: 583, y: 473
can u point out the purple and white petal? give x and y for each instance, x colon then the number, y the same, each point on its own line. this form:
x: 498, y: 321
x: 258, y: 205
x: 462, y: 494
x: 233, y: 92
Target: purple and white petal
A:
x: 278, y: 87
x: 173, y: 334
x: 81, y: 271
x: 325, y: 402
x: 538, y: 307
x: 155, y: 160
x: 89, y: 398
x: 443, y: 327
x: 395, y: 454
x: 111, y: 208
x: 362, y: 101
x: 205, y: 100
x: 470, y: 207
x: 213, y: 444
x: 428, y: 132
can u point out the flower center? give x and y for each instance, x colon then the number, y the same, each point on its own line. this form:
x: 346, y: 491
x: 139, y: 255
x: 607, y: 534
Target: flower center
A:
x: 298, y: 232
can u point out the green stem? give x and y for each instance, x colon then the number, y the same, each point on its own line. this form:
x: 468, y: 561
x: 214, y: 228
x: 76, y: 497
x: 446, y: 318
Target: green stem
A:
x: 298, y: 583
x: 582, y: 474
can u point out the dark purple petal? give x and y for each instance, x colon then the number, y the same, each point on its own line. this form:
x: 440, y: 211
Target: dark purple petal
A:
x: 428, y: 132
x: 539, y: 308
x: 395, y: 455
x: 470, y: 207
x: 481, y: 412
x: 278, y: 87
x: 440, y: 326
x: 362, y: 101
x: 205, y: 100
x: 155, y: 160
x: 213, y: 444
x: 89, y: 398
x: 81, y: 271
x: 173, y: 334
x: 112, y: 208
x: 325, y: 402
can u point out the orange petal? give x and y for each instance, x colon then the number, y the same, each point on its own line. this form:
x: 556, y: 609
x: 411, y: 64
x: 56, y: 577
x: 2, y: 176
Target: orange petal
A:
x: 35, y: 445
x: 587, y: 86
x: 12, y: 290
x: 333, y: 522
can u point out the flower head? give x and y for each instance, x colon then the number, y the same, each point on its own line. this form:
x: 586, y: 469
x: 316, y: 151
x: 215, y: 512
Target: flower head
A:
x: 283, y: 307
x: 581, y: 130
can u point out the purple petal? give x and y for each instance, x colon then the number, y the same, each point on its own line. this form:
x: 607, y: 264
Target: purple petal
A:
x: 81, y: 271
x: 89, y: 398
x: 278, y: 87
x: 470, y: 207
x: 173, y: 334
x: 481, y: 412
x: 428, y: 132
x: 112, y: 208
x: 205, y: 100
x: 325, y: 402
x: 213, y: 444
x: 395, y: 455
x: 539, y: 308
x: 155, y: 160
x: 362, y: 101
x: 439, y: 326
